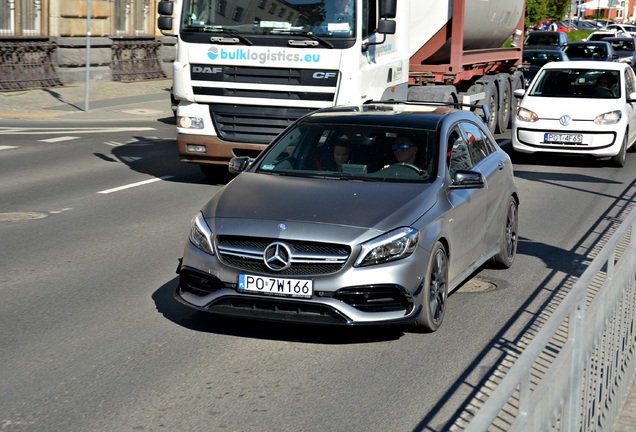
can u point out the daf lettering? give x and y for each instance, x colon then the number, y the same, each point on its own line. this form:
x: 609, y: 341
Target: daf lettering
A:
x: 324, y: 75
x: 206, y: 70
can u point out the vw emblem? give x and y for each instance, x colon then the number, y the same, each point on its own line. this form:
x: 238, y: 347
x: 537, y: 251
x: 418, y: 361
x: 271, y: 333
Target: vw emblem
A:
x: 565, y: 120
x: 277, y: 256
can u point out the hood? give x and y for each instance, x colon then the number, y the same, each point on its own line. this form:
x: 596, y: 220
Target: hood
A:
x: 367, y: 205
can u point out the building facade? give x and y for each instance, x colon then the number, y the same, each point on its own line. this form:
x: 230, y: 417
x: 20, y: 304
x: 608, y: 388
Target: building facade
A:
x: 49, y: 42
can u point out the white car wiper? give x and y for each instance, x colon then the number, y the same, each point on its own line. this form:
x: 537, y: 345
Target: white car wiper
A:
x: 236, y: 37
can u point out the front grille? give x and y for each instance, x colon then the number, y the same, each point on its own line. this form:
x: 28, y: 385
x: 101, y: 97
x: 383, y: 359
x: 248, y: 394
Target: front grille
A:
x: 259, y: 124
x: 253, y: 124
x: 278, y: 310
x: 199, y: 284
x: 376, y: 299
x: 307, y: 258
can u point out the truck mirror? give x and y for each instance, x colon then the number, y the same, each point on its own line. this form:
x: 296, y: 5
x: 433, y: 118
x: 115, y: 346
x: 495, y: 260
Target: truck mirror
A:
x: 386, y: 27
x: 388, y: 8
x: 164, y: 23
x: 165, y: 8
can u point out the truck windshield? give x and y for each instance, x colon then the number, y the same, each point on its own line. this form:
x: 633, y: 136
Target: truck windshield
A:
x: 323, y: 18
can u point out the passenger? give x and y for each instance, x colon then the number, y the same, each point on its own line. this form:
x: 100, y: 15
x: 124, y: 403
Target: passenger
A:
x: 341, y: 153
x: 603, y: 85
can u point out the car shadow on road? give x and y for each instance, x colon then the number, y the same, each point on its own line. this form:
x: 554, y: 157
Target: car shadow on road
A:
x: 204, y: 322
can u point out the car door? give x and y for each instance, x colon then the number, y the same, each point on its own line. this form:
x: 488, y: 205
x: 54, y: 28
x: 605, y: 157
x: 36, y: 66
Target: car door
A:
x: 469, y: 207
x: 630, y: 87
x: 491, y: 164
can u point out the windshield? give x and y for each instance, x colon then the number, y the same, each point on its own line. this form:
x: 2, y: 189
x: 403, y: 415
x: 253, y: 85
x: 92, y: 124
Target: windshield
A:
x: 578, y: 83
x: 353, y: 152
x: 324, y: 18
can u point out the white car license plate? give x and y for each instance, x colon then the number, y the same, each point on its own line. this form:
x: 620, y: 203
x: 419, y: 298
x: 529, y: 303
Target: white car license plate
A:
x: 303, y: 288
x: 563, y: 138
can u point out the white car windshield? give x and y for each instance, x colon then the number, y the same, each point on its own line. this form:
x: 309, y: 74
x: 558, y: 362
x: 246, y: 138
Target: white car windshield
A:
x: 577, y: 83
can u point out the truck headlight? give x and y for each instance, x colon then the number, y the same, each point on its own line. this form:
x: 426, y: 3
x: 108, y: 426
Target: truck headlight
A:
x: 201, y: 234
x: 190, y: 122
x: 391, y: 246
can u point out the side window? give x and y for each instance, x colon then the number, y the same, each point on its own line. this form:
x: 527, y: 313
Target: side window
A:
x: 630, y: 81
x: 458, y: 156
x: 369, y: 17
x: 475, y: 141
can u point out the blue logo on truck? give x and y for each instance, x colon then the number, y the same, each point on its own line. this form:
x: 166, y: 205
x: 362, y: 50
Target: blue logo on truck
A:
x: 269, y: 56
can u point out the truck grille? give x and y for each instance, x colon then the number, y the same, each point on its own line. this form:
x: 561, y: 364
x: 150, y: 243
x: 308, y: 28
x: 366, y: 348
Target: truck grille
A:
x: 253, y: 124
x: 307, y: 258
x: 257, y: 123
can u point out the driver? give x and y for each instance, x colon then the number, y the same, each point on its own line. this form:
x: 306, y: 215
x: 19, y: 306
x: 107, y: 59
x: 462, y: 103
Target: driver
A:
x: 404, y: 149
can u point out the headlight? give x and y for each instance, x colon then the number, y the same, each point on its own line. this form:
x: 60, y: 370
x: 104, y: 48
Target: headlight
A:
x: 608, y: 118
x: 527, y: 115
x: 201, y: 234
x: 190, y: 122
x: 391, y: 246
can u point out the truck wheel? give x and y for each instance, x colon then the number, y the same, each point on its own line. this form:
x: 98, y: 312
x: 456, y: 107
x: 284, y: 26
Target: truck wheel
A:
x: 515, y: 84
x: 218, y: 174
x: 503, y: 119
x: 492, y: 101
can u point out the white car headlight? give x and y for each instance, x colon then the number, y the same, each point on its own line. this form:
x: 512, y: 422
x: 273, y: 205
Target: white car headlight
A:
x: 608, y: 118
x: 391, y: 246
x: 201, y: 234
x: 526, y: 115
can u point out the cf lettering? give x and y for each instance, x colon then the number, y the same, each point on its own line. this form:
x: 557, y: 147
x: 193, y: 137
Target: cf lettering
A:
x: 324, y: 75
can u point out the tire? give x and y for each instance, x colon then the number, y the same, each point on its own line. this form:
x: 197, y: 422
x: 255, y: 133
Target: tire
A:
x: 435, y: 292
x: 516, y: 84
x: 620, y: 159
x: 505, y: 95
x: 216, y: 173
x: 509, y: 236
x: 492, y: 101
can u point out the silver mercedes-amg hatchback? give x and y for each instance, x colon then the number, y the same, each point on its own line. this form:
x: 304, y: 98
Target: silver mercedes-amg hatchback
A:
x: 367, y: 214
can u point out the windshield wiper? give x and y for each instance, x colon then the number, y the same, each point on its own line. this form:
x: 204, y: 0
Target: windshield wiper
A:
x: 230, y: 32
x: 314, y: 37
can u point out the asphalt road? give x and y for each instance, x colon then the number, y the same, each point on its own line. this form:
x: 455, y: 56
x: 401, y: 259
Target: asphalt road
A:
x: 92, y: 223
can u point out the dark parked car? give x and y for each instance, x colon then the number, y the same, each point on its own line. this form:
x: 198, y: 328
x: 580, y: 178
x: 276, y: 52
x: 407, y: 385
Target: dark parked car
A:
x: 535, y: 57
x: 423, y: 198
x: 625, y: 48
x: 545, y: 38
x: 596, y: 51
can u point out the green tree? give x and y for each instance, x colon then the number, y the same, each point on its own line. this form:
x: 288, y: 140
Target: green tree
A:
x: 538, y: 10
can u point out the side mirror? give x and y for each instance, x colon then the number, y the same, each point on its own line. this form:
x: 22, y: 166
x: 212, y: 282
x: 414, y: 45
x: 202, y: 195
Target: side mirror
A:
x: 165, y: 8
x: 468, y: 180
x: 386, y: 27
x: 239, y: 164
x: 164, y: 23
x: 631, y: 97
x: 388, y: 8
x: 519, y: 93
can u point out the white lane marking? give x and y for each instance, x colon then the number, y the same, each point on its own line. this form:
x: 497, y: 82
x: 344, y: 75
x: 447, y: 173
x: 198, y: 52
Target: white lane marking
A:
x: 132, y: 185
x: 59, y: 139
x: 49, y: 130
x: 7, y: 147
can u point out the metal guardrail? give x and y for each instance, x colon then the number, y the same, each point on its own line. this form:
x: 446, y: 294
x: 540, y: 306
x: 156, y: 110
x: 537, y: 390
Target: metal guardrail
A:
x: 27, y: 65
x: 576, y: 373
x: 136, y: 60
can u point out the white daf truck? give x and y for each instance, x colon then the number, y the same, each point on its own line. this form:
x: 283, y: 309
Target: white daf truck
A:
x: 246, y: 69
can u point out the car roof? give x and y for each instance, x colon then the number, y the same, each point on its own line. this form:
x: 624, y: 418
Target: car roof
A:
x: 390, y: 113
x: 587, y: 64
